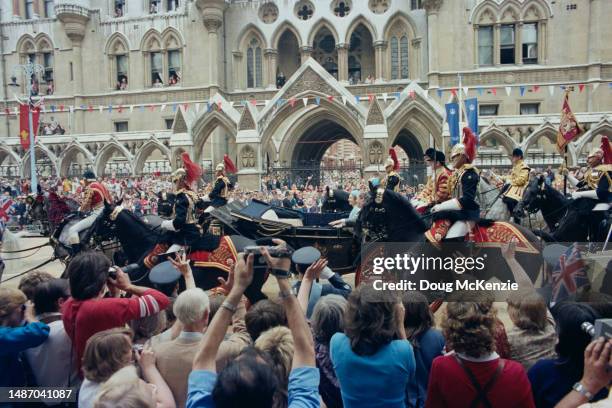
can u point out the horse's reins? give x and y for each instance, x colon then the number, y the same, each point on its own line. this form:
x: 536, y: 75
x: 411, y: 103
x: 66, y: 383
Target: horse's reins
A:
x: 25, y: 250
x: 31, y: 269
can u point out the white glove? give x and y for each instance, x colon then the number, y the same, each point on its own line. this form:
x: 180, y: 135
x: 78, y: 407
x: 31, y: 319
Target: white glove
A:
x: 168, y: 225
x: 585, y: 194
x: 448, y: 205
x: 573, y: 180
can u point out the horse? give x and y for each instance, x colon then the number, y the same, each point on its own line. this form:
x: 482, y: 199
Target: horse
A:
x: 141, y: 244
x: 564, y: 217
x: 38, y: 213
x: 489, y: 197
x: 389, y: 217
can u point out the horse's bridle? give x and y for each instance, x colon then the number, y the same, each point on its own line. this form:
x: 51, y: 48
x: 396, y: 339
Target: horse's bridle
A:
x: 115, y: 213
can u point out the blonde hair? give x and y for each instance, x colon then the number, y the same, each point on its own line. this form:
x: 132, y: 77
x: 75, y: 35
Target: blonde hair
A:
x: 528, y: 311
x: 124, y: 389
x: 10, y: 300
x: 106, y: 352
x: 277, y: 342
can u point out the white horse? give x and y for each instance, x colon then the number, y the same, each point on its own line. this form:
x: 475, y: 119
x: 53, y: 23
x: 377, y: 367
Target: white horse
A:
x: 491, y: 205
x: 10, y: 242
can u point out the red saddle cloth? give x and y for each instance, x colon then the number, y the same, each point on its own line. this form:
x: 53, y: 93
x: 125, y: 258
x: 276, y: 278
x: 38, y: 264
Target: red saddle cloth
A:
x: 224, y: 257
x: 500, y: 232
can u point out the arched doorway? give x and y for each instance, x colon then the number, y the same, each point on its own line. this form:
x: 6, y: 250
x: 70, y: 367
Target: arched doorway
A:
x: 410, y: 155
x: 327, y: 153
x: 46, y: 165
x: 113, y: 159
x: 9, y: 164
x: 288, y: 54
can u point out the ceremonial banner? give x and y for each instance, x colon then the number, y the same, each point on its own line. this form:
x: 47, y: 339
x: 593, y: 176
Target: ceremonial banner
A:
x: 24, y: 124
x: 569, y: 128
x: 452, y: 117
x: 471, y: 109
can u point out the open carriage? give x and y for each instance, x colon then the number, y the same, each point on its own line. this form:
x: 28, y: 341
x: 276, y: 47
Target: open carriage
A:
x: 298, y: 229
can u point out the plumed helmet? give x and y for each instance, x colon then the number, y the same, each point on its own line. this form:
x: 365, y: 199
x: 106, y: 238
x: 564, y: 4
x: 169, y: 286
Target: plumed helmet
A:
x: 603, y: 151
x: 467, y: 147
x: 392, y: 160
x: 220, y: 167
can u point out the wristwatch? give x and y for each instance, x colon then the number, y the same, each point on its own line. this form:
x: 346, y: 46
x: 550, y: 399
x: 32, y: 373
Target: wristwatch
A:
x: 580, y: 389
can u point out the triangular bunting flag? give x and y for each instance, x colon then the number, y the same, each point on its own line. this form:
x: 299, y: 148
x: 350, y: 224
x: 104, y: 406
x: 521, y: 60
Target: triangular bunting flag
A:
x: 305, y: 101
x: 454, y: 91
x: 131, y: 108
x: 151, y: 108
x: 185, y: 107
x: 508, y: 90
x: 61, y: 108
x: 536, y: 88
x: 292, y: 102
x: 522, y: 90
x: 120, y: 108
x: 317, y: 100
x: 197, y: 107
x: 494, y: 91
x: 254, y: 102
x: 480, y: 90
x: 439, y: 92
x: 357, y: 98
x: 595, y: 86
x: 266, y: 102
x: 142, y: 108
x: 385, y: 95
x: 343, y: 100
x: 465, y: 90
x: 100, y: 108
x: 370, y: 98
x: 110, y: 108
x: 551, y: 90
x: 397, y: 95
x: 162, y: 107
x: 71, y: 109
x: 330, y: 98
x: 90, y: 108
x: 581, y: 87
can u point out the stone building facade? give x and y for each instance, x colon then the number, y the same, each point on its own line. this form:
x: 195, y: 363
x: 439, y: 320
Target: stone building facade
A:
x: 160, y: 59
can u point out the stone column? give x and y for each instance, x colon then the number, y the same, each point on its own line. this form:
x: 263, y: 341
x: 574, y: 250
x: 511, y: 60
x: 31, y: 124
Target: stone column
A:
x: 433, y: 7
x: 475, y: 46
x: 496, y: 39
x: 212, y: 24
x: 272, y: 56
x: 379, y: 59
x: 415, y: 74
x: 305, y: 53
x: 518, y: 35
x: 343, y: 63
x: 237, y: 69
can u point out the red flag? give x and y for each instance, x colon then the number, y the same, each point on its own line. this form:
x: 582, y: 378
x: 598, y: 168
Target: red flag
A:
x: 292, y: 102
x: 90, y: 108
x: 185, y: 107
x: 569, y: 128
x: 370, y: 98
x: 494, y: 91
x: 330, y: 98
x: 581, y: 87
x: 253, y: 102
x: 120, y: 108
x: 454, y: 91
x: 536, y: 88
x: 151, y: 108
x: 61, y: 108
x: 229, y: 164
x: 24, y: 124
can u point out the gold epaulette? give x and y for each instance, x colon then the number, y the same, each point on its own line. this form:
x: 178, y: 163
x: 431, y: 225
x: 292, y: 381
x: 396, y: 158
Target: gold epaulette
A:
x: 604, y: 167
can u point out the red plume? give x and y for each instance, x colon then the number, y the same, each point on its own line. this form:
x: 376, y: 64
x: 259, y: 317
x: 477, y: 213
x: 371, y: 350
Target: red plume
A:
x: 469, y: 141
x: 607, y: 150
x: 229, y: 164
x: 396, y: 163
x: 193, y: 171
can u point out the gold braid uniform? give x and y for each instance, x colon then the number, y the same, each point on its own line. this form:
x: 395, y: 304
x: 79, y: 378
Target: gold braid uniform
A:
x: 518, y: 179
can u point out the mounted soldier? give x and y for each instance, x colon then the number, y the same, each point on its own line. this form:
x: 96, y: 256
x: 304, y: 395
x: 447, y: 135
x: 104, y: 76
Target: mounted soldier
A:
x: 392, y: 179
x: 436, y: 189
x: 594, y: 189
x: 183, y: 221
x: 513, y: 186
x: 95, y: 195
x: 463, y: 184
x: 221, y: 189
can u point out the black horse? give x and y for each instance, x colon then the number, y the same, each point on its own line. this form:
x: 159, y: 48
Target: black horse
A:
x: 567, y: 220
x: 37, y: 214
x: 540, y: 196
x: 390, y: 217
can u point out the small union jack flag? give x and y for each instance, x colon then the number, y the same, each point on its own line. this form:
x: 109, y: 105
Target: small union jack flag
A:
x: 6, y: 209
x: 569, y: 275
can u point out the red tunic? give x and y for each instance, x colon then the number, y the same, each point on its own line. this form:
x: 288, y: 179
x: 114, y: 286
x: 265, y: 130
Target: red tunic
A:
x: 95, y: 196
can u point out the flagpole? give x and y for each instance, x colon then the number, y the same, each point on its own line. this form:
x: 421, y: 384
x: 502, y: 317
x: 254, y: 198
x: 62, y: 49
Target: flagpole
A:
x: 460, y: 100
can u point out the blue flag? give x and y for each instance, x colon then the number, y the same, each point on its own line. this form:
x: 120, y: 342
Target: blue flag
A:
x: 471, y: 113
x: 452, y: 117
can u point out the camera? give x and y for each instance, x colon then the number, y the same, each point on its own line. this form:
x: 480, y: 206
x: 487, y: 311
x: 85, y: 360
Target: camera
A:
x: 112, y: 272
x: 601, y: 328
x: 275, y: 251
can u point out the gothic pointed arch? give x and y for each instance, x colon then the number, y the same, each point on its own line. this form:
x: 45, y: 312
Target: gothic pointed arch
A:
x: 43, y: 43
x: 68, y: 155
x: 603, y: 127
x: 172, y: 39
x: 118, y: 50
x: 40, y: 149
x: 280, y: 30
x: 203, y: 127
x: 151, y: 41
x: 547, y: 130
x: 145, y: 151
x: 494, y: 133
x: 26, y: 45
x: 321, y: 23
x: 105, y: 154
x: 117, y: 43
x: 249, y: 31
x: 357, y: 21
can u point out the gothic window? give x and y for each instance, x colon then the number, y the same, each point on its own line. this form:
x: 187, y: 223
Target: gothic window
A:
x: 174, y: 67
x: 268, y: 13
x: 157, y: 69
x: 47, y: 61
x: 485, y: 45
x: 117, y: 52
x: 341, y: 8
x: 29, y: 9
x: 173, y: 5
x: 254, y: 65
x: 119, y: 8
x: 529, y: 37
x: 404, y: 57
x: 508, y: 33
x: 415, y: 4
x: 506, y: 44
x: 48, y: 5
x: 379, y: 6
x: 394, y: 58
x: 304, y: 10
